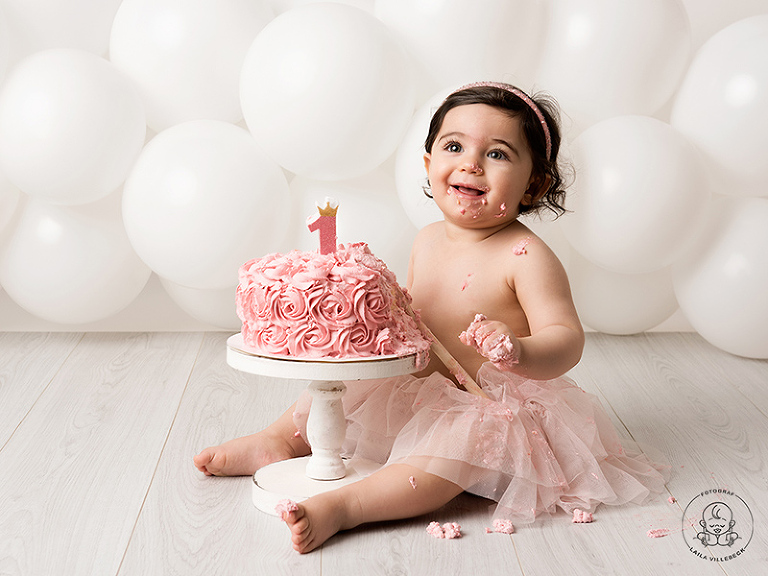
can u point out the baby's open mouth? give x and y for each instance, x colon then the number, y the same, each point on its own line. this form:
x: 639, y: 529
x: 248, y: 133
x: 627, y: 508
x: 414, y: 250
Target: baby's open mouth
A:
x: 467, y: 190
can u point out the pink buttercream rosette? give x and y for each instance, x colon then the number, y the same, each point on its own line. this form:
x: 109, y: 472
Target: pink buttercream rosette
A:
x: 339, y: 305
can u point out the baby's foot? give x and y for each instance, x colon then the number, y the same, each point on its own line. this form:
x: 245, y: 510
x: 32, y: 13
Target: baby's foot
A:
x: 243, y: 456
x: 316, y: 520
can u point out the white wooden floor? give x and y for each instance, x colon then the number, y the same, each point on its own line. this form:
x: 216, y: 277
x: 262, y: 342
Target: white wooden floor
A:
x: 98, y: 430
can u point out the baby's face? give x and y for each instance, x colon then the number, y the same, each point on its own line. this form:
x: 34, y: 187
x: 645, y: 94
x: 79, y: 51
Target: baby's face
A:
x: 716, y: 525
x: 480, y: 166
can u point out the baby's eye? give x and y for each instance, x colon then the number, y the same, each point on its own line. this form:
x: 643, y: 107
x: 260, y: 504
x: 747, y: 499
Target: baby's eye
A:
x: 453, y: 147
x: 496, y: 155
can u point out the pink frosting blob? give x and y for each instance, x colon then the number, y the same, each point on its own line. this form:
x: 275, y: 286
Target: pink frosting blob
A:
x: 581, y: 517
x: 503, y: 526
x: 447, y: 531
x: 286, y: 506
x: 499, y: 350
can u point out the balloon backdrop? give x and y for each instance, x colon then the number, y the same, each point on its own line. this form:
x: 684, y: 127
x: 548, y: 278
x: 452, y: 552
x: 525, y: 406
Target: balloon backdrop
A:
x: 620, y: 303
x: 722, y: 107
x: 5, y: 45
x: 339, y: 96
x: 327, y: 90
x: 215, y: 307
x: 604, y: 58
x: 36, y: 25
x: 201, y: 200
x: 71, y: 264
x: 71, y: 126
x: 9, y: 200
x: 638, y: 195
x: 721, y: 285
x: 410, y: 173
x: 453, y: 42
x: 186, y: 57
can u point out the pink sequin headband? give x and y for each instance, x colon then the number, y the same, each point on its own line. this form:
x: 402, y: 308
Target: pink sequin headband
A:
x: 525, y: 98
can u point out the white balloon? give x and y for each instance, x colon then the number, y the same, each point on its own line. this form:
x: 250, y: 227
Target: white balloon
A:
x: 453, y: 42
x: 410, y: 174
x: 369, y: 212
x: 722, y: 107
x: 9, y: 200
x: 5, y: 45
x: 604, y: 58
x: 186, y: 57
x: 37, y: 25
x: 638, y: 196
x: 327, y: 91
x: 71, y: 265
x: 709, y: 17
x: 201, y: 200
x: 71, y: 126
x: 620, y: 303
x: 281, y: 6
x: 722, y: 284
x: 216, y: 307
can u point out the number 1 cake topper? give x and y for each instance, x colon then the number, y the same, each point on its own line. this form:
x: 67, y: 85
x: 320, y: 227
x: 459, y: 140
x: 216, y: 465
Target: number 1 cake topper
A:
x: 325, y: 222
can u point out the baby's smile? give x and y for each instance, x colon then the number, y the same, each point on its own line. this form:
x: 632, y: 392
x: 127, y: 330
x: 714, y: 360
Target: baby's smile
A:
x: 469, y: 190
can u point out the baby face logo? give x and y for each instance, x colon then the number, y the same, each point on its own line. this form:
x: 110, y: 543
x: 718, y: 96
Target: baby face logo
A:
x: 722, y: 525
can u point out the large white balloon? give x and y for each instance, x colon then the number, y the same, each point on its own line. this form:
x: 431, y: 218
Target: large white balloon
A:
x: 410, y: 173
x: 37, y: 25
x: 186, y: 57
x: 722, y: 107
x: 604, y: 58
x: 9, y: 200
x: 722, y: 284
x: 281, y: 6
x: 71, y: 126
x: 709, y: 17
x: 5, y: 45
x: 327, y: 91
x: 620, y: 303
x: 71, y: 265
x: 215, y: 307
x: 459, y: 41
x: 202, y: 199
x: 369, y: 211
x: 638, y: 196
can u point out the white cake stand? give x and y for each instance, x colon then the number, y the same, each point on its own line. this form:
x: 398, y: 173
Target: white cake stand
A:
x: 300, y: 478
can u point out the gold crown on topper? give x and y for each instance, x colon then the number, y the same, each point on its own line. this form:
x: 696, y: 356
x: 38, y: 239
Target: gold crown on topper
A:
x: 330, y: 208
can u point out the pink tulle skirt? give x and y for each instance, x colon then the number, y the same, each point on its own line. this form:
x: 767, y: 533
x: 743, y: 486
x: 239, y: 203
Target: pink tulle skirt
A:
x: 534, y: 446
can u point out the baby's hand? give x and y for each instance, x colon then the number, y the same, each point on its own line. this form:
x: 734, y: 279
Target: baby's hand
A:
x: 494, y: 340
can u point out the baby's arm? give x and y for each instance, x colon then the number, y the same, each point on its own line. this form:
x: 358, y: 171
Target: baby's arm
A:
x: 556, y: 337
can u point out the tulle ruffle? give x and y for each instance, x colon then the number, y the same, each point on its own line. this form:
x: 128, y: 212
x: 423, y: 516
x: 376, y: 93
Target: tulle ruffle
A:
x: 533, y: 447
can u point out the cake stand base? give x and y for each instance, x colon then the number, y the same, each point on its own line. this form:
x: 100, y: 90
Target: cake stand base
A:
x: 287, y: 479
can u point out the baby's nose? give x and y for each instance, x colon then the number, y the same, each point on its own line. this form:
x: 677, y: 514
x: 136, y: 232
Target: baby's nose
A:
x: 473, y: 167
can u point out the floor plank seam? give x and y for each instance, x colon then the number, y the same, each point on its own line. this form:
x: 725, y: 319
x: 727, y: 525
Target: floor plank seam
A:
x: 42, y: 392
x: 517, y: 556
x: 160, y: 455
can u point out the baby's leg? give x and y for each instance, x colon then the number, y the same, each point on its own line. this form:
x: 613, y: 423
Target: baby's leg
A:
x: 243, y: 456
x: 387, y: 494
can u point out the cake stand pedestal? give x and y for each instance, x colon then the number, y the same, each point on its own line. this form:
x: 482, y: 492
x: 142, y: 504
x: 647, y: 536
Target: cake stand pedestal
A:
x: 300, y: 478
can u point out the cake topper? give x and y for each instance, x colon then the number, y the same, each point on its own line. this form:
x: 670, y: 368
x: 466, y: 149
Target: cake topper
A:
x: 325, y: 223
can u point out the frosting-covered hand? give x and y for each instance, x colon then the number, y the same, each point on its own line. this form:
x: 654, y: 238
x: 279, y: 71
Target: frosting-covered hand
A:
x: 494, y: 340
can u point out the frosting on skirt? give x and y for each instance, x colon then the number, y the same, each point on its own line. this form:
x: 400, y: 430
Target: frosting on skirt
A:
x: 533, y: 447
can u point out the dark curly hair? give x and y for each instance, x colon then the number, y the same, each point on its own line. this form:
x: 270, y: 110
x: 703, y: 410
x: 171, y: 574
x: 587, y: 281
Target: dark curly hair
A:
x: 543, y: 166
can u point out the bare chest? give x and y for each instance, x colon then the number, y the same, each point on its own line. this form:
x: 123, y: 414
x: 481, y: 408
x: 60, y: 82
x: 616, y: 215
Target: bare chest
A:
x: 451, y: 288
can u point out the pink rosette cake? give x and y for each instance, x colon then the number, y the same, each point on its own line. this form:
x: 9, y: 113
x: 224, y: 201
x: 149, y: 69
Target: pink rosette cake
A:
x: 345, y: 304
